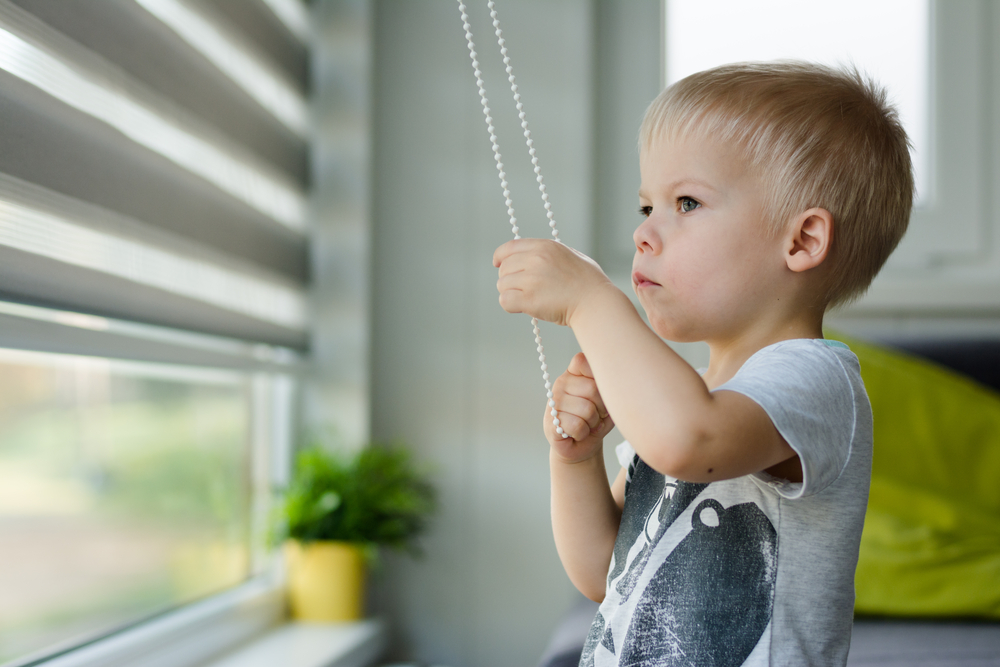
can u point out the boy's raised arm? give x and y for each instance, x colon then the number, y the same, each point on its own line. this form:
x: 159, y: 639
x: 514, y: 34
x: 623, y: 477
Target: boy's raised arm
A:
x: 663, y: 407
x: 659, y: 403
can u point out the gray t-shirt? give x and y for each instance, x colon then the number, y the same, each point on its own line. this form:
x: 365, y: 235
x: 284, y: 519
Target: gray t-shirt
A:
x: 754, y: 570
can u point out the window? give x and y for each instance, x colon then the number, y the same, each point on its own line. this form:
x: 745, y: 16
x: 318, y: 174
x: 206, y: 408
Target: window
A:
x: 701, y: 35
x: 154, y: 271
x: 126, y: 488
x: 936, y: 59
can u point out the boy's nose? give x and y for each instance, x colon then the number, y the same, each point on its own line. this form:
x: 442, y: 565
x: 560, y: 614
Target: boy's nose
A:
x: 646, y: 239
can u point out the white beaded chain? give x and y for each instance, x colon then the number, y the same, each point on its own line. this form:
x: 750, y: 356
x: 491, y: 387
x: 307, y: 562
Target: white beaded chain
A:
x: 503, y: 176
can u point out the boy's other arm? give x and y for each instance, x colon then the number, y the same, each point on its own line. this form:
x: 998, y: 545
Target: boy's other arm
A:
x: 585, y: 519
x: 585, y: 510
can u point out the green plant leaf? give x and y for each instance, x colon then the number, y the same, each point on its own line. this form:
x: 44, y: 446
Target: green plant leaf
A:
x: 376, y: 496
x: 327, y: 503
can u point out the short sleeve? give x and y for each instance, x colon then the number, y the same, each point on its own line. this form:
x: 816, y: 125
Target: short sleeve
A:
x: 805, y: 387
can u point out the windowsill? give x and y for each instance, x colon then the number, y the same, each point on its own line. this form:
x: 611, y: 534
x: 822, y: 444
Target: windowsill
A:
x: 298, y: 644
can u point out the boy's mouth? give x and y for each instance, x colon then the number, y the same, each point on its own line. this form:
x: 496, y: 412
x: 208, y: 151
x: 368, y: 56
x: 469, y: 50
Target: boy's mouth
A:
x: 640, y: 280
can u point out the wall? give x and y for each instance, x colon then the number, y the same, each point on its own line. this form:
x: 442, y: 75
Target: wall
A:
x: 456, y: 378
x: 453, y: 375
x: 336, y: 389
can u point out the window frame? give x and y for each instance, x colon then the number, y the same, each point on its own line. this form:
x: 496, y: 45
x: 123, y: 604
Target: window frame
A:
x: 947, y: 264
x: 183, y: 637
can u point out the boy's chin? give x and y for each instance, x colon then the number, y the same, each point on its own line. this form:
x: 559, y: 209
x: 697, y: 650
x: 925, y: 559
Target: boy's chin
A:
x: 669, y: 331
x: 674, y: 329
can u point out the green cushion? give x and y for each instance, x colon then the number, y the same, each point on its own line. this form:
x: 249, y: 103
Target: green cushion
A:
x: 931, y: 542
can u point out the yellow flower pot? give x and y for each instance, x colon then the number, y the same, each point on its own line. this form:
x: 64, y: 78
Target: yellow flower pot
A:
x: 325, y: 580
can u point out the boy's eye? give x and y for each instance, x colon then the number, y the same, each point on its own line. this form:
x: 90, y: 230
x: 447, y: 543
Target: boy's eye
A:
x: 645, y: 211
x: 686, y: 204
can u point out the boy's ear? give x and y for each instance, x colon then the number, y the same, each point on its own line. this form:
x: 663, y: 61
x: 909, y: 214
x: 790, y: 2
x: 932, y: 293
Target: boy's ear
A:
x: 809, y: 239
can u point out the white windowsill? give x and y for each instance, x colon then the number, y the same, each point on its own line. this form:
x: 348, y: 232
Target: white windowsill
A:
x: 312, y: 645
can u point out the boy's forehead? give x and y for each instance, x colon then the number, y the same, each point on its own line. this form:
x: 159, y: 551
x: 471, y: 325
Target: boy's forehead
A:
x: 694, y: 159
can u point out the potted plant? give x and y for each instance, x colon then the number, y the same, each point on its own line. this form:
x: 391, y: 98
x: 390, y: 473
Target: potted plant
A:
x: 338, y: 509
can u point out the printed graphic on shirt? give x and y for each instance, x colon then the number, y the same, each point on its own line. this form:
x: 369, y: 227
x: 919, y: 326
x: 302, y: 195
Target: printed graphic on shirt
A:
x: 705, y: 602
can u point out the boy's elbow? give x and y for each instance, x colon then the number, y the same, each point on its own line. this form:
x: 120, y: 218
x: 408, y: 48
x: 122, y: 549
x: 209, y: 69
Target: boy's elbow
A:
x: 680, y: 455
x: 593, y: 594
x: 593, y: 585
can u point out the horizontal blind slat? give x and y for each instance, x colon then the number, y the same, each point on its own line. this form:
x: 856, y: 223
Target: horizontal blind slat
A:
x: 45, y: 59
x: 45, y: 234
x: 234, y: 56
x: 45, y: 142
x: 123, y: 33
x: 115, y: 201
x: 34, y: 279
x: 293, y: 15
x: 45, y: 330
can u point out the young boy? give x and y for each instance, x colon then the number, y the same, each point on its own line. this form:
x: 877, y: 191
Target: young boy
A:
x: 730, y: 537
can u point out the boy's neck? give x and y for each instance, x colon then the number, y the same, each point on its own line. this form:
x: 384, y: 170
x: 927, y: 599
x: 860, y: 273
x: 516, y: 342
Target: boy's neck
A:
x: 728, y: 355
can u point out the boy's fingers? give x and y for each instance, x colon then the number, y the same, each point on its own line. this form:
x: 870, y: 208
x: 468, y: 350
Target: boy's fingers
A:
x: 580, y: 408
x: 511, y: 264
x: 579, y: 381
x: 507, y: 284
x: 579, y: 365
x: 573, y: 426
x: 510, y: 301
x: 585, y: 389
x: 501, y: 254
x: 605, y: 427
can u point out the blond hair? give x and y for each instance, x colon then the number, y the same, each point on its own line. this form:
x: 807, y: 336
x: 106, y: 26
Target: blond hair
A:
x: 816, y: 137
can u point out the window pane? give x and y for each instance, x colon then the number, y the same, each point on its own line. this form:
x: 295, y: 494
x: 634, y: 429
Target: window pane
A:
x: 124, y: 490
x: 706, y: 33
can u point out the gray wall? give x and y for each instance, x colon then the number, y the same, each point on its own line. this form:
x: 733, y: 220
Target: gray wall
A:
x: 452, y: 375
x: 336, y: 389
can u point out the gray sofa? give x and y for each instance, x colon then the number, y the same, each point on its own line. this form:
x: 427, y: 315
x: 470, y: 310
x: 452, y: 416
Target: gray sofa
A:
x: 884, y: 642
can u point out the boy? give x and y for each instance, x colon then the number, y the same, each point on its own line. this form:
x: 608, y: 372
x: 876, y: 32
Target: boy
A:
x: 771, y: 191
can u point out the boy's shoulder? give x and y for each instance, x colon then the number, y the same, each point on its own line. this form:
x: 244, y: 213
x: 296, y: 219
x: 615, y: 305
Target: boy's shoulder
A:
x: 812, y: 391
x: 817, y: 366
x: 816, y: 371
x: 814, y: 351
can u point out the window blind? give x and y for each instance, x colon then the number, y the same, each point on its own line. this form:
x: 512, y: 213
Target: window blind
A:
x: 154, y: 162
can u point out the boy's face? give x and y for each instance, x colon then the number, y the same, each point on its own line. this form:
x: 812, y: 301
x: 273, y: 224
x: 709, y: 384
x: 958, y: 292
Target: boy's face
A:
x: 705, y: 267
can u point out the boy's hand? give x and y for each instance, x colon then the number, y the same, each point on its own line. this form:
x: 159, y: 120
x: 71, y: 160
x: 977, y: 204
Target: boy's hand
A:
x: 545, y: 279
x: 581, y: 413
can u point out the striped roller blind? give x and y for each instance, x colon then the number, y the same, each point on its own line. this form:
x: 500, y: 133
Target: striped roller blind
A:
x: 154, y: 162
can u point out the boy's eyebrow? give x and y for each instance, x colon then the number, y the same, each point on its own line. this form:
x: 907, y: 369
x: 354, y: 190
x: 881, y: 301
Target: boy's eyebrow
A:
x: 676, y: 185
